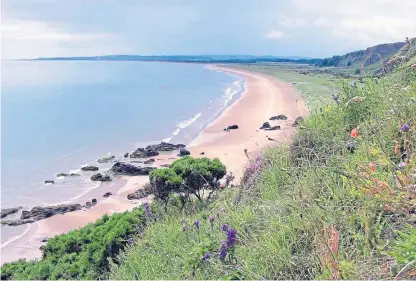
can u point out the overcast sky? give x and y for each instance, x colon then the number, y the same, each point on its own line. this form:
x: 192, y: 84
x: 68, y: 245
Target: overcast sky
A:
x: 313, y: 28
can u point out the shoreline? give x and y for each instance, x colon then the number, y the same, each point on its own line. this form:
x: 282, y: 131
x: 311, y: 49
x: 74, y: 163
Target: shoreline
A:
x: 260, y: 99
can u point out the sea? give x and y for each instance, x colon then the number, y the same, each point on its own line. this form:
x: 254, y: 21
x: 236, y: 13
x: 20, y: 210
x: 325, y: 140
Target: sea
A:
x: 57, y: 116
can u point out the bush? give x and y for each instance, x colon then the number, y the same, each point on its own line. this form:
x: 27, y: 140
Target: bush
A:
x: 82, y: 253
x: 187, y: 176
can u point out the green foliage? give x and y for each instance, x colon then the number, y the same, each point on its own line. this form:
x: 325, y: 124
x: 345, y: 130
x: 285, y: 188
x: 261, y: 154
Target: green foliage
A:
x: 187, y: 176
x: 357, y: 71
x: 80, y: 254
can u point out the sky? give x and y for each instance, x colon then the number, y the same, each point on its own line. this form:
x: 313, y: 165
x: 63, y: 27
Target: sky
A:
x: 308, y: 28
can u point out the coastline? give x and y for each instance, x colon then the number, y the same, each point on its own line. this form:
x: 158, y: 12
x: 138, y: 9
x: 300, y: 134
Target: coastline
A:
x: 261, y: 98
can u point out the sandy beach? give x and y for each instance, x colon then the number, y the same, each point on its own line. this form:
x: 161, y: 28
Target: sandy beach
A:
x: 263, y: 98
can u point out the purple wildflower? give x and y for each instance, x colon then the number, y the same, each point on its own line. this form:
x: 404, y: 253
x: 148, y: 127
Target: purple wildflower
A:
x: 402, y: 165
x: 206, y: 256
x: 335, y: 98
x: 252, y: 171
x: 197, y: 224
x: 147, y: 209
x: 231, y: 237
x: 130, y: 241
x: 222, y: 253
x: 405, y: 128
x: 224, y: 227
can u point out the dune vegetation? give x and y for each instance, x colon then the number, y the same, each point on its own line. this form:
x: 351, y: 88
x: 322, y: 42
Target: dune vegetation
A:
x: 338, y: 202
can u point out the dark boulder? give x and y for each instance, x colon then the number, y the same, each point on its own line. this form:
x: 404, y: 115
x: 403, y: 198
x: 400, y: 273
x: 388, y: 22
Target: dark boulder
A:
x: 298, y: 121
x: 231, y: 127
x: 8, y: 211
x: 202, y: 153
x: 184, y: 152
x: 16, y: 222
x: 150, y: 161
x: 100, y: 177
x: 279, y: 117
x: 89, y: 168
x: 274, y: 128
x: 44, y: 239
x: 165, y: 165
x: 61, y: 175
x: 126, y: 155
x: 266, y: 125
x: 74, y: 175
x: 164, y: 146
x: 106, y: 159
x: 94, y: 200
x: 107, y: 194
x: 49, y: 181
x: 144, y: 153
x: 138, y: 194
x: 130, y: 170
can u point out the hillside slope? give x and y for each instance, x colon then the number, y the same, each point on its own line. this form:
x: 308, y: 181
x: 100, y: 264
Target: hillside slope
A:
x: 406, y: 54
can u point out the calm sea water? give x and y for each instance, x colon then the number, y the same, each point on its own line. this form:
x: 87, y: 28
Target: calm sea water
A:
x: 57, y: 116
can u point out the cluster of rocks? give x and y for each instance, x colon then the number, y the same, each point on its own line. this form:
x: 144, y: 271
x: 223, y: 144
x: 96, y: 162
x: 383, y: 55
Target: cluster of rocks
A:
x: 153, y: 150
x: 100, y: 177
x: 106, y: 159
x: 89, y: 204
x: 231, y: 127
x: 138, y: 194
x: 67, y: 175
x: 130, y: 170
x: 266, y: 126
x: 150, y: 161
x: 9, y: 211
x: 40, y: 213
x: 89, y: 168
x: 184, y: 152
x: 278, y: 117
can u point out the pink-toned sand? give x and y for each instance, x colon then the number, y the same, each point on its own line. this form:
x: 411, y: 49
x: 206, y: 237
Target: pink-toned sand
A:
x: 264, y: 97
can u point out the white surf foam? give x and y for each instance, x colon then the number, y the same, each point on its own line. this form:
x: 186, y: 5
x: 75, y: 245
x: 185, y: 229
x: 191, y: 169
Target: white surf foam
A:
x: 185, y: 123
x: 14, y: 238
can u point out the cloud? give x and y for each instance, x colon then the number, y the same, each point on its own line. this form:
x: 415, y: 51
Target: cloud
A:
x: 364, y: 23
x: 275, y: 34
x: 292, y: 22
x: 31, y: 38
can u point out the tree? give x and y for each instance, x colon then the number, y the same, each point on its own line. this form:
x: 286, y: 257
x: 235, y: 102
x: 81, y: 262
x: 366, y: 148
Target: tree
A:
x: 357, y: 71
x: 187, y: 176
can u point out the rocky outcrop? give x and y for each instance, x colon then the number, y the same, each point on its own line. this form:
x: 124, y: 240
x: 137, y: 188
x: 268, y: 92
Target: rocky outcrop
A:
x: 184, y: 152
x: 150, y: 161
x: 274, y: 128
x: 89, y: 204
x: 279, y: 117
x: 61, y: 175
x: 231, y: 127
x: 266, y: 125
x: 74, y: 175
x: 164, y: 146
x: 100, y: 177
x: 144, y: 153
x: 8, y: 211
x: 49, y: 182
x: 39, y: 213
x: 138, y: 194
x: 130, y: 170
x: 107, y: 194
x: 89, y: 168
x: 126, y: 155
x: 106, y: 159
x: 298, y: 121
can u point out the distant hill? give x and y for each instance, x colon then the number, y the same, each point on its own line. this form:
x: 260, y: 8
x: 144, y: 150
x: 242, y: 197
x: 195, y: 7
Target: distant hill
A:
x: 193, y: 58
x: 368, y: 56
